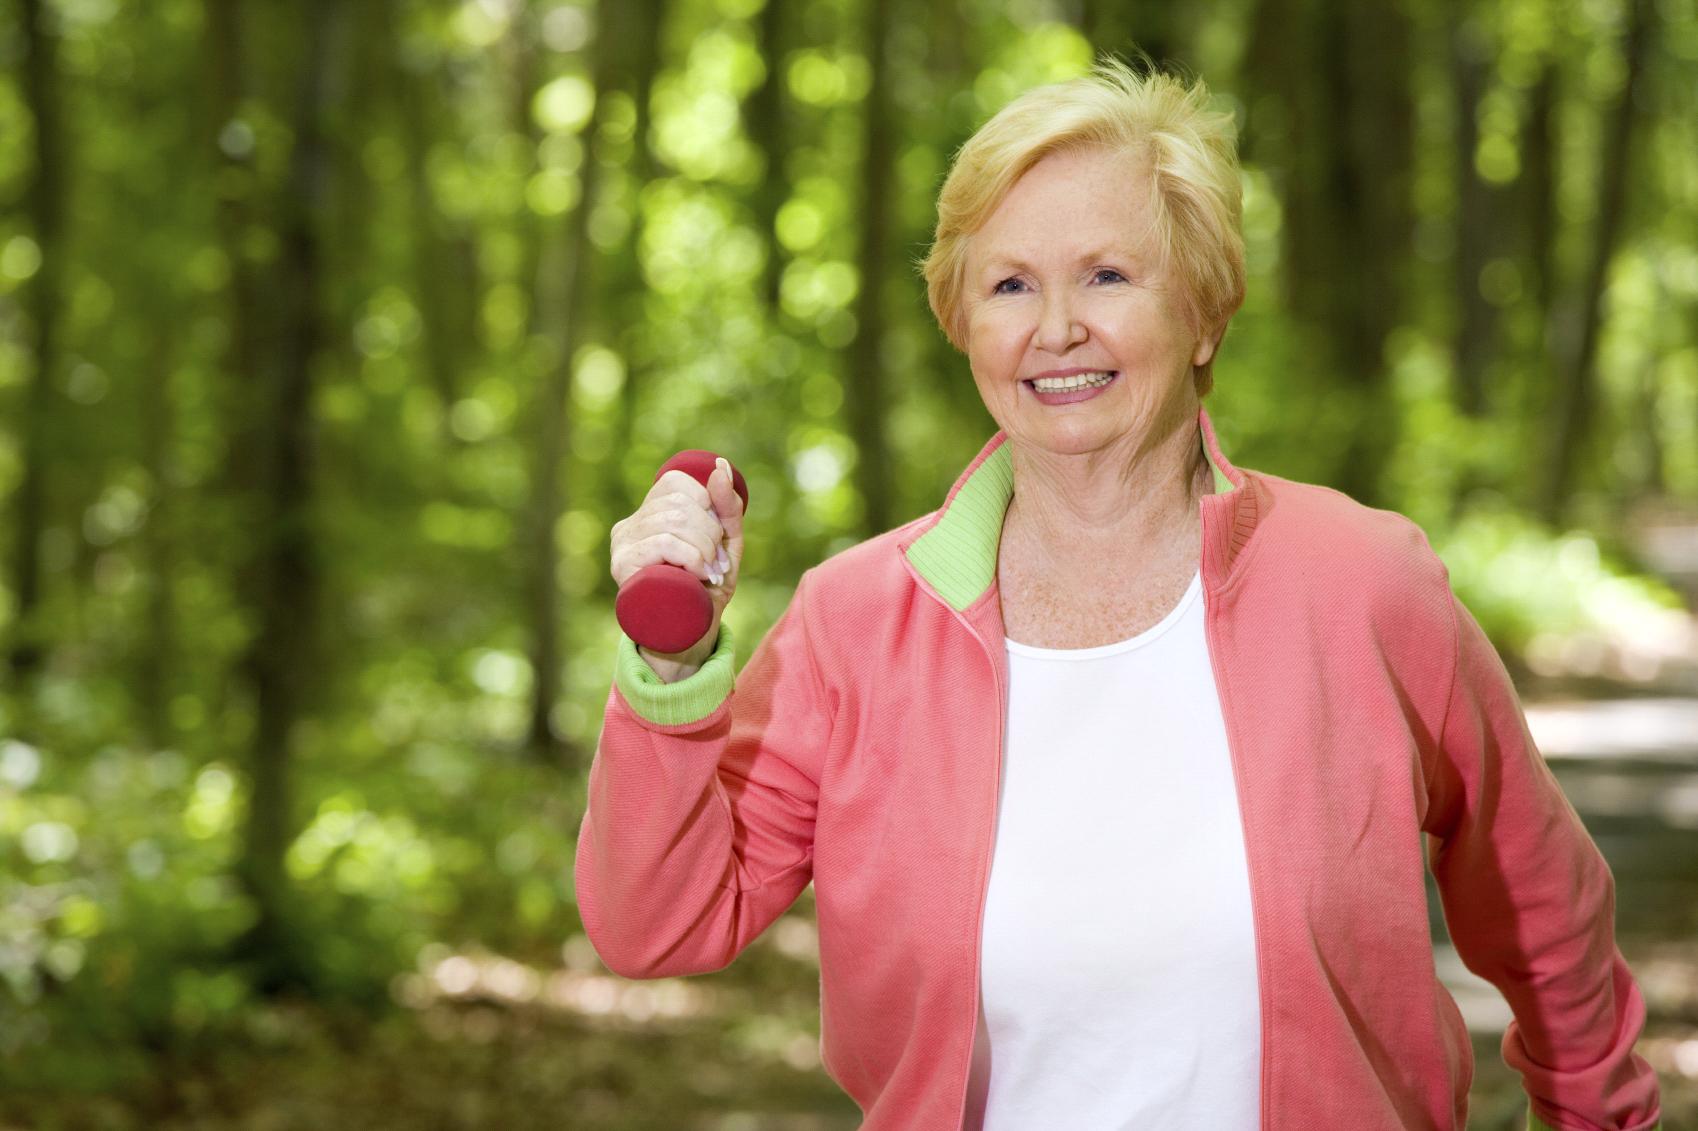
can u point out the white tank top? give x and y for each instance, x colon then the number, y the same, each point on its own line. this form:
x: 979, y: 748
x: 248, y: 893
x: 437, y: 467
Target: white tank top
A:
x: 1118, y: 959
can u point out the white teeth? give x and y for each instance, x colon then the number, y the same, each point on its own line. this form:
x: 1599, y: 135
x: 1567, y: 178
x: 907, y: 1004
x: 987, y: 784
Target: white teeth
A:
x: 1077, y: 381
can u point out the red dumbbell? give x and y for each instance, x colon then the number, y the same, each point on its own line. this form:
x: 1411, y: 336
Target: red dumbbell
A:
x: 664, y: 607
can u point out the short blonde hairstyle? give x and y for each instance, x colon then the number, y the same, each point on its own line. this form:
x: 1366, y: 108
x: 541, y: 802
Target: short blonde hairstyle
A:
x: 1190, y: 152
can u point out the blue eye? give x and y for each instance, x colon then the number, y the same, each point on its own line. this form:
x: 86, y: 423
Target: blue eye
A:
x: 1114, y: 277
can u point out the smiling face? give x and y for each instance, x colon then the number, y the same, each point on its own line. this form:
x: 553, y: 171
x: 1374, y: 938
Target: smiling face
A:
x: 1064, y: 276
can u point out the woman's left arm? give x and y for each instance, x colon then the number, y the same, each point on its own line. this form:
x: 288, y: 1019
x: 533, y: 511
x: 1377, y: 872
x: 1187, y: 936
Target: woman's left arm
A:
x: 1530, y: 905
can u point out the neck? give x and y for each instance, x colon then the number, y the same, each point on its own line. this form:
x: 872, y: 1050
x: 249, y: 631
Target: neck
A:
x: 1142, y: 491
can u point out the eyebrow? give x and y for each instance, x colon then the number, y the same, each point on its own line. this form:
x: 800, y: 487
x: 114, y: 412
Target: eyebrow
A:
x: 1002, y: 262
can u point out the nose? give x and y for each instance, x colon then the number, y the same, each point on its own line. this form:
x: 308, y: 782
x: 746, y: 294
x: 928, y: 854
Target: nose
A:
x: 1058, y: 329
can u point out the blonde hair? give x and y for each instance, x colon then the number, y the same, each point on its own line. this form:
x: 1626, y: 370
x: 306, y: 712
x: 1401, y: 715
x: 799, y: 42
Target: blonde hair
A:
x: 1192, y: 161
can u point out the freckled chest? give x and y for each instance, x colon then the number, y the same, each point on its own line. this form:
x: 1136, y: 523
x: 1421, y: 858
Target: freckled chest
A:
x: 1043, y: 618
x: 1095, y: 604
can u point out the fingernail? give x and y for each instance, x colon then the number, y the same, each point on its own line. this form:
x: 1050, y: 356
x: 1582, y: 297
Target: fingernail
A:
x: 716, y: 577
x: 723, y: 561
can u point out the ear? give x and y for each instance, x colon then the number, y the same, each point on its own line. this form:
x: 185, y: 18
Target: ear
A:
x: 1207, y: 345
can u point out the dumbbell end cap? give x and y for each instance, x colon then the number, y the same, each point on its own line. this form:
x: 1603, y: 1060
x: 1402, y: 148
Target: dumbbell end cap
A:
x: 664, y: 608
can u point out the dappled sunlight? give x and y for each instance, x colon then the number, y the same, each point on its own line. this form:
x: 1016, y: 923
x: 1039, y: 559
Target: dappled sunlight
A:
x: 340, y: 337
x: 579, y: 986
x: 1638, y: 645
x: 1673, y: 800
x: 1661, y: 730
x: 795, y: 937
x: 1569, y: 606
x: 1483, y: 1008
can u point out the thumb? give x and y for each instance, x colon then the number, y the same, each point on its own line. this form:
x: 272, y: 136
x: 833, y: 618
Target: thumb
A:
x: 727, y: 503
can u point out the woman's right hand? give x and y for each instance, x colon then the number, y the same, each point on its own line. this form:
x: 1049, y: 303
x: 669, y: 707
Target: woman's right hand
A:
x: 698, y: 528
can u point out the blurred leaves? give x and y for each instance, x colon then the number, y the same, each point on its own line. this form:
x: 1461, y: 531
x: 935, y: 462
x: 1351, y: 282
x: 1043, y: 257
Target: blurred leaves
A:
x: 458, y: 140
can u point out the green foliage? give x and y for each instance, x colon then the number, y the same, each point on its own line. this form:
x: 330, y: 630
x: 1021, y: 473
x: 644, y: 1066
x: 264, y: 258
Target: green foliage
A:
x: 472, y: 154
x: 1523, y: 582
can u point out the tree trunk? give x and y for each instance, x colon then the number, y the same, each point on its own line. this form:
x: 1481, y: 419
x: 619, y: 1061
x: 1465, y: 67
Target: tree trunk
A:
x: 1539, y: 178
x: 1372, y: 195
x: 1336, y: 119
x: 624, y: 299
x: 764, y: 114
x: 864, y: 390
x: 1130, y: 26
x: 44, y: 203
x: 284, y: 578
x: 445, y: 302
x: 553, y: 424
x: 769, y: 126
x: 1472, y: 343
x: 1536, y: 201
x: 1571, y: 425
x: 950, y: 60
x: 156, y: 665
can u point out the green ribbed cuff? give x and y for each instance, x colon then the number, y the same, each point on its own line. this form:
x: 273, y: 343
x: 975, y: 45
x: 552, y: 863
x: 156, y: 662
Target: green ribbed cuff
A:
x: 690, y: 700
x: 1534, y: 1123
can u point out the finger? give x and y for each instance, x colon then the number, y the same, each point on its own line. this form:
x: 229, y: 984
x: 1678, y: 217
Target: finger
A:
x: 664, y: 547
x: 685, y: 520
x: 679, y: 482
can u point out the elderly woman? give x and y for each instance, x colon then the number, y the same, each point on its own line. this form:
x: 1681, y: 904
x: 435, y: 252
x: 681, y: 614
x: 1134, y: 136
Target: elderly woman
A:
x: 1118, y: 775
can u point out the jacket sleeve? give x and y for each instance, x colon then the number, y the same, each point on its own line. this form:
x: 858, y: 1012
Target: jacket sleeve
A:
x: 1530, y: 905
x: 699, y: 826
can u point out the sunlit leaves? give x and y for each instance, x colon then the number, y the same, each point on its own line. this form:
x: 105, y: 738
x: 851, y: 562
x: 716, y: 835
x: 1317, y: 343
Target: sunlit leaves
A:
x: 467, y: 528
x: 697, y: 130
x: 683, y: 242
x: 500, y: 672
x: 390, y: 321
x: 480, y: 23
x: 820, y: 462
x: 210, y: 810
x: 564, y: 104
x: 1531, y: 583
x: 1496, y: 156
x: 361, y: 852
x: 20, y: 259
x: 505, y: 307
x: 697, y: 120
x: 20, y: 764
x: 48, y: 841
x: 454, y: 167
x: 598, y: 377
x: 118, y: 513
x: 800, y: 224
x: 828, y: 78
x: 1048, y: 52
x: 552, y: 192
x: 812, y: 289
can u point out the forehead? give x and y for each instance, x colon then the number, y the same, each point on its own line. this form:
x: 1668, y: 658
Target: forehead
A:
x: 1071, y: 203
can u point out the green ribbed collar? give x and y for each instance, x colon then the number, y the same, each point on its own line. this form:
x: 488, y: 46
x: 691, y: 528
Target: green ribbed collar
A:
x: 957, y: 556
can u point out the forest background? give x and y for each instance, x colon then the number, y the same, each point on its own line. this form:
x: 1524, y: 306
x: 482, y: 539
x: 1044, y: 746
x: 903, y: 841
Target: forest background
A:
x: 334, y: 337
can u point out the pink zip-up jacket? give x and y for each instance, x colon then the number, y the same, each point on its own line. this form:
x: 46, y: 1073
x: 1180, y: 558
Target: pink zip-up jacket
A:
x: 1374, y: 732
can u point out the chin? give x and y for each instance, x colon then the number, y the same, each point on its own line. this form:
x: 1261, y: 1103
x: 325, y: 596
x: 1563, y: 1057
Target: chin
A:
x: 1077, y: 438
